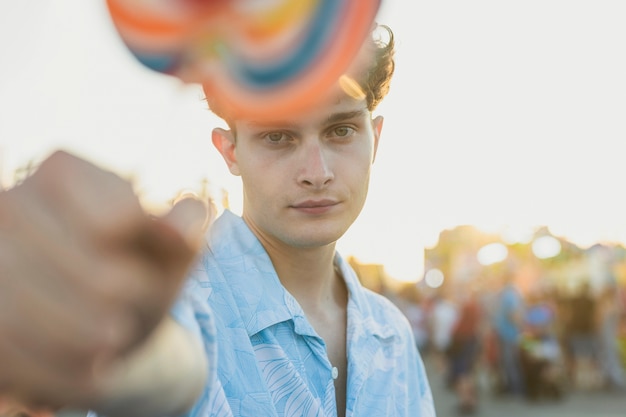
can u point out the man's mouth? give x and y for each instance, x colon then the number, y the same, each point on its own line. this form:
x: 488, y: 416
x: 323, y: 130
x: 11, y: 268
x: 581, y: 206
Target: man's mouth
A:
x: 315, y: 206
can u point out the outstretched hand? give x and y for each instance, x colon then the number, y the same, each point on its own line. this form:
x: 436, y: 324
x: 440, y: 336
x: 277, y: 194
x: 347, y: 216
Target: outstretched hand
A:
x: 85, y: 276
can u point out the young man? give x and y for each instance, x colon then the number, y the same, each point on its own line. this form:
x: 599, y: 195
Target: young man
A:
x: 284, y: 322
x: 296, y: 332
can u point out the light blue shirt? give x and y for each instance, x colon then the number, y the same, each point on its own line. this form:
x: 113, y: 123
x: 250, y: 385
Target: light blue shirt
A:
x: 271, y: 362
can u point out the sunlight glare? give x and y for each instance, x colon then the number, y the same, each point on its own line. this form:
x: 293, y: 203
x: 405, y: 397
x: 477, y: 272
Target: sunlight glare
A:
x: 492, y: 253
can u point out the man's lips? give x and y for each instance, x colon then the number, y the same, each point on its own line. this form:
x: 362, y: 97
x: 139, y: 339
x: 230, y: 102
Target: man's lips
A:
x: 315, y: 204
x: 315, y: 207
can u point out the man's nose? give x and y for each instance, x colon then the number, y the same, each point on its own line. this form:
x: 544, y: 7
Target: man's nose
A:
x: 315, y: 165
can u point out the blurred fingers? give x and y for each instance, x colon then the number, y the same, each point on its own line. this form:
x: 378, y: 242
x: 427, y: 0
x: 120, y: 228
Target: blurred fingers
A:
x: 189, y: 218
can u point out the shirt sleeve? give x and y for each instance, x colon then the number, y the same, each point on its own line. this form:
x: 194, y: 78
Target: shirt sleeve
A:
x: 193, y: 313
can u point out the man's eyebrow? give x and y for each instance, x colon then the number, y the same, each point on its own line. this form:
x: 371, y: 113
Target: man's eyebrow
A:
x: 338, y: 117
x: 271, y: 124
x: 333, y: 118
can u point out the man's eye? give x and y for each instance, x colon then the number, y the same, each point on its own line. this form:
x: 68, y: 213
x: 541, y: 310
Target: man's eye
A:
x: 275, y: 136
x: 343, y: 131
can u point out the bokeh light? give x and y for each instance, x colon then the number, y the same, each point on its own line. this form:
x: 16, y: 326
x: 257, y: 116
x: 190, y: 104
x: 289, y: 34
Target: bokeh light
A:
x: 546, y: 247
x: 492, y: 253
x: 434, y: 278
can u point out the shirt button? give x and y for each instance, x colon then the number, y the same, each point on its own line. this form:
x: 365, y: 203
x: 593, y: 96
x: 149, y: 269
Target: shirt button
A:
x: 335, y: 372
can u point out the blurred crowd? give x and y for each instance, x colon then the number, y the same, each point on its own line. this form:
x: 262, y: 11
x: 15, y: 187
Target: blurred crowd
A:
x: 525, y: 325
x: 489, y: 336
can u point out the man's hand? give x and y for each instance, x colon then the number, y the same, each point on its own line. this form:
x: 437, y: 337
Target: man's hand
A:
x: 85, y: 276
x: 9, y: 408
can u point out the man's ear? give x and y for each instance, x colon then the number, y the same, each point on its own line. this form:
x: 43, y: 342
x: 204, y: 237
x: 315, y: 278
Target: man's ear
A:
x: 224, y: 142
x: 377, y: 124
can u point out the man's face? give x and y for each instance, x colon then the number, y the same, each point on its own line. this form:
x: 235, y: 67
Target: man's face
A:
x: 305, y: 178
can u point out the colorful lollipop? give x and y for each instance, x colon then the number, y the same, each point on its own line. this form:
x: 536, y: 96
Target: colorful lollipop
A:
x: 261, y: 57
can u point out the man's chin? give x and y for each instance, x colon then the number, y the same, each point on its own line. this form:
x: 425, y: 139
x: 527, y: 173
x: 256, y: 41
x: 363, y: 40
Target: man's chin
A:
x: 316, y: 239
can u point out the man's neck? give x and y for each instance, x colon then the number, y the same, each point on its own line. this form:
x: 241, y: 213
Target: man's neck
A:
x: 308, y: 274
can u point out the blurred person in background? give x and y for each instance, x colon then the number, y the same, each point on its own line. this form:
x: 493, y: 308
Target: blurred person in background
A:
x: 541, y: 354
x: 621, y: 339
x: 508, y: 321
x: 582, y: 338
x: 464, y: 350
x: 413, y: 304
x: 442, y: 319
x: 609, y: 312
x: 490, y: 376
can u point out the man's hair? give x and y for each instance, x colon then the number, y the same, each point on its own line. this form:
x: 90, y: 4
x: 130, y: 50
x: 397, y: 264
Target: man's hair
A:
x: 374, y: 80
x: 375, y: 84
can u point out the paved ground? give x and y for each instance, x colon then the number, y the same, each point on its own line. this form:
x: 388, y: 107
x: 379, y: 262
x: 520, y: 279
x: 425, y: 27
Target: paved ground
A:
x: 574, y: 404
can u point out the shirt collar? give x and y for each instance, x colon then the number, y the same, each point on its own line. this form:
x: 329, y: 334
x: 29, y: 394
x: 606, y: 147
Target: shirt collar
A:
x: 361, y: 317
x: 260, y: 297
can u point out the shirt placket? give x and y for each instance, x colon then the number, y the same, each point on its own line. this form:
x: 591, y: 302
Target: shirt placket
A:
x: 361, y: 350
x: 328, y: 372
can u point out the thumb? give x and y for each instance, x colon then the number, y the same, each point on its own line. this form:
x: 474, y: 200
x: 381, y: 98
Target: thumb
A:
x: 188, y: 217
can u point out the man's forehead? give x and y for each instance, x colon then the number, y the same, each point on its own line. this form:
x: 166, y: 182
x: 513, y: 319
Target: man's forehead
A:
x: 336, y: 109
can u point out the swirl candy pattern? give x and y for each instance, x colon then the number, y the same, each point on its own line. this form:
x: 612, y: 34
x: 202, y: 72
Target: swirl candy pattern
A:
x: 261, y: 57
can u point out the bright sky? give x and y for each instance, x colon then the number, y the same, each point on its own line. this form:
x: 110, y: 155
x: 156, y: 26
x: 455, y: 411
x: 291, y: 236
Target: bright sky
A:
x: 501, y: 114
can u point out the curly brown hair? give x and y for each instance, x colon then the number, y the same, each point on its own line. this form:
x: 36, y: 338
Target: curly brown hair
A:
x: 377, y: 78
x: 374, y: 80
